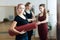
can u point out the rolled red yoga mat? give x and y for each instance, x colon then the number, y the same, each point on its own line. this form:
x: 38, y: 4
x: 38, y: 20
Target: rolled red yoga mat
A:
x: 26, y: 27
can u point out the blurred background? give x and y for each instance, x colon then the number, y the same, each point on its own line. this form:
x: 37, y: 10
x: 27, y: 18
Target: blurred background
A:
x: 8, y: 12
x: 58, y: 20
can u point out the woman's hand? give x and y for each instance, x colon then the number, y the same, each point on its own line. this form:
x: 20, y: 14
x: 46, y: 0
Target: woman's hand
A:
x: 34, y: 19
x: 22, y: 32
x: 29, y: 20
x: 38, y: 23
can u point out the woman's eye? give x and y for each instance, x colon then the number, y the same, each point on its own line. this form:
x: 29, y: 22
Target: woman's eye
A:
x: 21, y: 8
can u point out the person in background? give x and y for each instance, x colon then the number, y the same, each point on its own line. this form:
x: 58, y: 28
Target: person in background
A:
x: 30, y: 16
x: 43, y: 19
x: 19, y: 20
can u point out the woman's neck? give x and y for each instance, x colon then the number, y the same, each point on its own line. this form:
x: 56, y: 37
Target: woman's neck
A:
x: 41, y: 13
x: 20, y: 14
x: 28, y: 11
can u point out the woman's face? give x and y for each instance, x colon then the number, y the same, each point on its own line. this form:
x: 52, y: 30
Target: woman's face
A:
x: 21, y: 9
x: 29, y: 7
x: 41, y: 8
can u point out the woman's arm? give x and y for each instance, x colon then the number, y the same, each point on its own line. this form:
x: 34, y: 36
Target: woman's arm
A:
x: 13, y: 28
x: 33, y: 15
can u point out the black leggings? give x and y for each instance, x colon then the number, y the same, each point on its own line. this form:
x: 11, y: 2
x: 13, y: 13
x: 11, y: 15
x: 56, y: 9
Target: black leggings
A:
x: 30, y: 33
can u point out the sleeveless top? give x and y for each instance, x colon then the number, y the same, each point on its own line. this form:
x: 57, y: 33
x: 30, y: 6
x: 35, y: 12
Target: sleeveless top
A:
x: 28, y: 15
x: 41, y: 18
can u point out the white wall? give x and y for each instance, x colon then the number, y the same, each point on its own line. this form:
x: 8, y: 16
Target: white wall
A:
x: 5, y: 12
x: 52, y: 6
x: 2, y: 13
x: 9, y: 12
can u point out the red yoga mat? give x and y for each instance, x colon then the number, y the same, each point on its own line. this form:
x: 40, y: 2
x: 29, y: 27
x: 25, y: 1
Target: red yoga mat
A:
x: 26, y: 27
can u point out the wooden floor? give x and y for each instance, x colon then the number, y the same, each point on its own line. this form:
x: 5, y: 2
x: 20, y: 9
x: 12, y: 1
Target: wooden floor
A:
x: 4, y: 32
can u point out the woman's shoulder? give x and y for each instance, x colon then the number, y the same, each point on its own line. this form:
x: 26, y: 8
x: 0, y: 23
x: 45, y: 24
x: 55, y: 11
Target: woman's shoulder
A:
x: 17, y: 17
x: 47, y: 14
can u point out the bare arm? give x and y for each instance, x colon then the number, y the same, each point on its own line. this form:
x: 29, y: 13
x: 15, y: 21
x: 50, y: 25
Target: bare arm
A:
x: 13, y: 28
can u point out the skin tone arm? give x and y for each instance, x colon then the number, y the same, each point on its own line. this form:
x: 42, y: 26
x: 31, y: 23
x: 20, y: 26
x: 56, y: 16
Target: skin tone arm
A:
x: 33, y: 16
x: 13, y: 28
